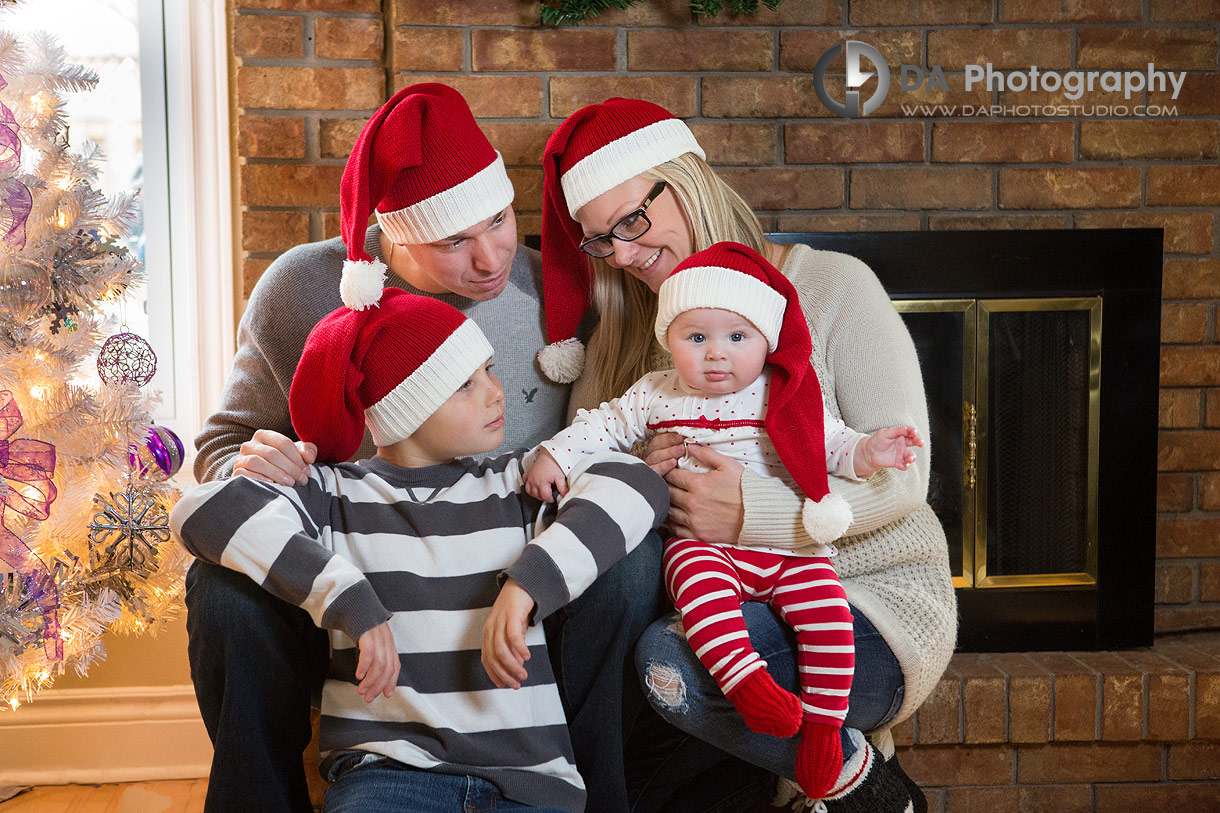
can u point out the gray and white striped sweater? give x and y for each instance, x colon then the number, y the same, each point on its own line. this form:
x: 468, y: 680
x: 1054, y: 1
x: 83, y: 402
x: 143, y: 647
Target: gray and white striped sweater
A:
x: 364, y: 542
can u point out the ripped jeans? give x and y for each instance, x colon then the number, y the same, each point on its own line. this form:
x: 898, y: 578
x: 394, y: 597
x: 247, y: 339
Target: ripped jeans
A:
x: 699, y: 754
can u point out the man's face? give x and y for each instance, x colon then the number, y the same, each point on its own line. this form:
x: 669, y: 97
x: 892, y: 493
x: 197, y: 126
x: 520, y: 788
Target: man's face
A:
x: 473, y: 263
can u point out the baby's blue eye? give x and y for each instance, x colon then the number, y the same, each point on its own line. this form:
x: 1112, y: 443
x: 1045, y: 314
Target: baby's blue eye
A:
x: 738, y: 337
x: 697, y: 338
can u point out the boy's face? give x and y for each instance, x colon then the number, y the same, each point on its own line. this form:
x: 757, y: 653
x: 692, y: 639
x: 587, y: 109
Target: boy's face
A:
x: 470, y: 422
x: 715, y: 350
x: 473, y: 263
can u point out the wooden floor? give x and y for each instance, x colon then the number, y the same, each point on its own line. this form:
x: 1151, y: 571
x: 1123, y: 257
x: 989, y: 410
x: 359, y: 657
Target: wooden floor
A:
x: 170, y: 796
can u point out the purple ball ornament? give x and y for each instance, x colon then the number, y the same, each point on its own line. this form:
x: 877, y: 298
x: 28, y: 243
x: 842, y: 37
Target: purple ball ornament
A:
x: 162, y: 449
x: 126, y: 358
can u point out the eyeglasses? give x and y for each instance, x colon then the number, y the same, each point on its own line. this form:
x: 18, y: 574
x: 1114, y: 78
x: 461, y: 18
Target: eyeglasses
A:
x: 631, y: 226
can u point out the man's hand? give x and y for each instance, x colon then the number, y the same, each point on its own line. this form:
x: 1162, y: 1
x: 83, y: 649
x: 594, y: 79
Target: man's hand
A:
x: 504, y: 649
x: 890, y: 448
x: 544, y: 475
x: 706, y: 505
x: 377, y: 669
x: 275, y: 458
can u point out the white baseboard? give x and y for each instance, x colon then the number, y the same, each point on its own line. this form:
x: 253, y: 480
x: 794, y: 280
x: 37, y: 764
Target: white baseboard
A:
x: 87, y: 736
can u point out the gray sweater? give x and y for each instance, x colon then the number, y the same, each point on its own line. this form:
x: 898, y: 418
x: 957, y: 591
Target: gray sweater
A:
x: 302, y: 286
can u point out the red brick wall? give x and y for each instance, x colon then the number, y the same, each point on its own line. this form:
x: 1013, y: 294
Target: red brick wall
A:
x: 307, y: 72
x: 1082, y: 732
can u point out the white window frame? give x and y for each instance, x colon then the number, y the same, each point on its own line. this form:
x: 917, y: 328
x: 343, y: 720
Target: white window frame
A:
x: 188, y: 207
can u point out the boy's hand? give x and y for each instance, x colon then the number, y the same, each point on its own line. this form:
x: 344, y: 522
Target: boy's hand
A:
x: 275, y: 458
x: 377, y: 669
x: 504, y: 649
x: 543, y: 475
x: 887, y: 449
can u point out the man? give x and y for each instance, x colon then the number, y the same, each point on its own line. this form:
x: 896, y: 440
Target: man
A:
x: 445, y: 229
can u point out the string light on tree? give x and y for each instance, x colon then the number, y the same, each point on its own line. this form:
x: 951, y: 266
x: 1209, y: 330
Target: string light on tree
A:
x: 62, y: 263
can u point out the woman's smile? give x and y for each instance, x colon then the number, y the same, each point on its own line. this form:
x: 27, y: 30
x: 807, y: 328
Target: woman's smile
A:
x: 650, y: 261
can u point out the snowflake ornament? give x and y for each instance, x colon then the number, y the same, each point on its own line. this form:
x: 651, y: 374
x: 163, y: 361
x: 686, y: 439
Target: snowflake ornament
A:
x: 138, y: 525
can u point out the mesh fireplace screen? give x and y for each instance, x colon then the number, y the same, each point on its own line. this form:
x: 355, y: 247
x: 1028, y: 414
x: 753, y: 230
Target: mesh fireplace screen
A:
x: 1037, y: 442
x: 939, y: 336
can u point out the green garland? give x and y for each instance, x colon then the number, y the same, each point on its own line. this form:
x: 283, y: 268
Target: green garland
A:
x: 574, y: 12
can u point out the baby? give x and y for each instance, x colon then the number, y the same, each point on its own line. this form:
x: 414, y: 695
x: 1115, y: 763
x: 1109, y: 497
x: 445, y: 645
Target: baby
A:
x: 743, y: 385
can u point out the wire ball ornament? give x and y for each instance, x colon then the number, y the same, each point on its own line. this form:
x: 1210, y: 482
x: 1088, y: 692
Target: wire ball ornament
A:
x: 126, y: 358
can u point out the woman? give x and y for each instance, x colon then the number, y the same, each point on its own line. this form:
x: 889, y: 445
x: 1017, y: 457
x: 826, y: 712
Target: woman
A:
x: 628, y: 196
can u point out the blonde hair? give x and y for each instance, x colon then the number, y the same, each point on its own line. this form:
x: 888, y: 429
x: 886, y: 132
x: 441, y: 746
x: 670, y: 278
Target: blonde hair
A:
x: 626, y: 308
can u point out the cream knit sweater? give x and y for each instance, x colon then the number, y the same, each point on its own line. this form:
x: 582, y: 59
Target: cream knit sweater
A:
x: 894, y: 560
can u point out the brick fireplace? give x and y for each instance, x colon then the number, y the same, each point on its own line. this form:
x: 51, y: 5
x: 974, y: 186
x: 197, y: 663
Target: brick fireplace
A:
x: 1004, y: 731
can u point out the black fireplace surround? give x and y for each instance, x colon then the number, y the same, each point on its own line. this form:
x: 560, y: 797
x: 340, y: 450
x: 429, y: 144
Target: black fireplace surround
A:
x: 1044, y: 303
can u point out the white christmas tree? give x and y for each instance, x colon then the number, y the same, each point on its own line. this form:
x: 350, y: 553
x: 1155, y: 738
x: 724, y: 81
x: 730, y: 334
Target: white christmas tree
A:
x: 83, y: 542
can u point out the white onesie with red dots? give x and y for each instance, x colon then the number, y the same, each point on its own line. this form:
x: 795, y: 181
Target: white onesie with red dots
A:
x: 731, y: 424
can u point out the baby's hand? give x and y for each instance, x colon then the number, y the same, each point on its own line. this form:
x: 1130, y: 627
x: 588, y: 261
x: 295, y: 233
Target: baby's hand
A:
x: 377, y: 669
x: 543, y: 475
x: 887, y: 449
x: 504, y: 648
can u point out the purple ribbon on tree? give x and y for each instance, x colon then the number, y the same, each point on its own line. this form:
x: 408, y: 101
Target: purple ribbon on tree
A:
x: 10, y: 144
x: 15, y: 205
x: 26, y: 467
x: 15, y: 199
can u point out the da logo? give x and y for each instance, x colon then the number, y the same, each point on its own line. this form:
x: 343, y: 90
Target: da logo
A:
x: 851, y: 107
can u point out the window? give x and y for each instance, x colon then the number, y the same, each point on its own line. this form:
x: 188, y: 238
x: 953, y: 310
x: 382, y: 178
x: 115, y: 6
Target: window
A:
x: 160, y: 116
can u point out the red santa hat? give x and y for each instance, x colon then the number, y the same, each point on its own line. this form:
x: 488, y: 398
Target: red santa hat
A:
x: 737, y: 278
x: 389, y: 367
x: 595, y: 149
x: 424, y: 167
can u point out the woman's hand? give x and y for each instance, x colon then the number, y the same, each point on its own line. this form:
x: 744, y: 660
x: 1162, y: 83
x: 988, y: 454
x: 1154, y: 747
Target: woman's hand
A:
x: 707, y: 505
x: 546, y: 474
x: 377, y: 669
x: 275, y: 458
x: 664, y: 451
x: 504, y: 649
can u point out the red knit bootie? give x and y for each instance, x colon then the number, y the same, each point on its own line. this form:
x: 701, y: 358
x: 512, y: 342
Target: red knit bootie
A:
x: 767, y: 707
x: 819, y: 759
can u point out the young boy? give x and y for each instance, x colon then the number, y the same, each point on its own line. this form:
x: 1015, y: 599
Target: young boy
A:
x: 424, y: 565
x: 743, y: 384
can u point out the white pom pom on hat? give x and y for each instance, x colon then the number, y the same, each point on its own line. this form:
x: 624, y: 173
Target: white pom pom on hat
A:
x: 362, y: 283
x: 563, y: 361
x: 827, y: 519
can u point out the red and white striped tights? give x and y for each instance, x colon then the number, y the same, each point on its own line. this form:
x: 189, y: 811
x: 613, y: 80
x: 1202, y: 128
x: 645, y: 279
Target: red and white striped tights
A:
x: 709, y: 582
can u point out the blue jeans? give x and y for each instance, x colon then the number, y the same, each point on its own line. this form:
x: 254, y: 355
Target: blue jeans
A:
x: 591, y: 642
x: 710, y: 743
x: 391, y: 787
x: 257, y: 663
